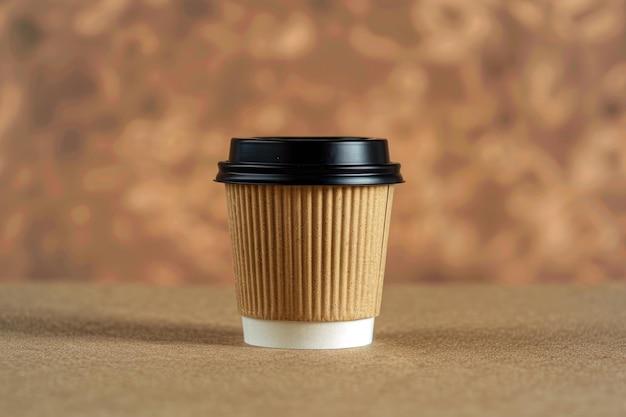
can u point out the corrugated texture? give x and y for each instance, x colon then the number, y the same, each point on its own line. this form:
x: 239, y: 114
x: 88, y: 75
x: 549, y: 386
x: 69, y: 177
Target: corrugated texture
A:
x: 312, y: 253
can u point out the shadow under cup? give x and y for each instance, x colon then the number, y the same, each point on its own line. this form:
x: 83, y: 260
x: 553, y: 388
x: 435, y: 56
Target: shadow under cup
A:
x: 309, y: 221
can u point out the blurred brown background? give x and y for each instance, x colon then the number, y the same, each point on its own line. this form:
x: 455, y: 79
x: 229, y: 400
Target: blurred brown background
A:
x: 509, y: 118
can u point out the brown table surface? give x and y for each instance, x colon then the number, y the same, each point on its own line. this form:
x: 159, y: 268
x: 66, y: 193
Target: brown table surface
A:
x: 78, y: 350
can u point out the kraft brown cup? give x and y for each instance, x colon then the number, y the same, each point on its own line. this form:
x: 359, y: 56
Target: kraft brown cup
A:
x: 309, y: 260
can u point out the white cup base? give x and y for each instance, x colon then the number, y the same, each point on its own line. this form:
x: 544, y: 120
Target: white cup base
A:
x: 307, y: 334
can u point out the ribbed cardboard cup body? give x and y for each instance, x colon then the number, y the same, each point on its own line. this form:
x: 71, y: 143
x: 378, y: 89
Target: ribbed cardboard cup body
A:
x: 309, y: 220
x: 309, y: 253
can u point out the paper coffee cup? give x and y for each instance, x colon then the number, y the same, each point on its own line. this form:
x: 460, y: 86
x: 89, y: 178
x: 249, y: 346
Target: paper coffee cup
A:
x: 309, y: 221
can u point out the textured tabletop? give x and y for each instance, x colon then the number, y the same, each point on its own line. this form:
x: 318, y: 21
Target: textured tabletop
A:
x: 442, y: 351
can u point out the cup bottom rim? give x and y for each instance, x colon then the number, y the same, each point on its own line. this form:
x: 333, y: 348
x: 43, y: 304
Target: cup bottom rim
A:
x: 306, y: 334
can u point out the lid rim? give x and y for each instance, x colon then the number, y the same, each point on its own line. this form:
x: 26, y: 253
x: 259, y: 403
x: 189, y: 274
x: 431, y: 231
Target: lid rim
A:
x: 305, y: 160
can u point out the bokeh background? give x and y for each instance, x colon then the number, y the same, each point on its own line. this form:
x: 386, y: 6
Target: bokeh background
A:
x: 509, y: 117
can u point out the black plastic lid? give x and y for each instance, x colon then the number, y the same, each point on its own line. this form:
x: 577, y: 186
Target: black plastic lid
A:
x: 309, y: 161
